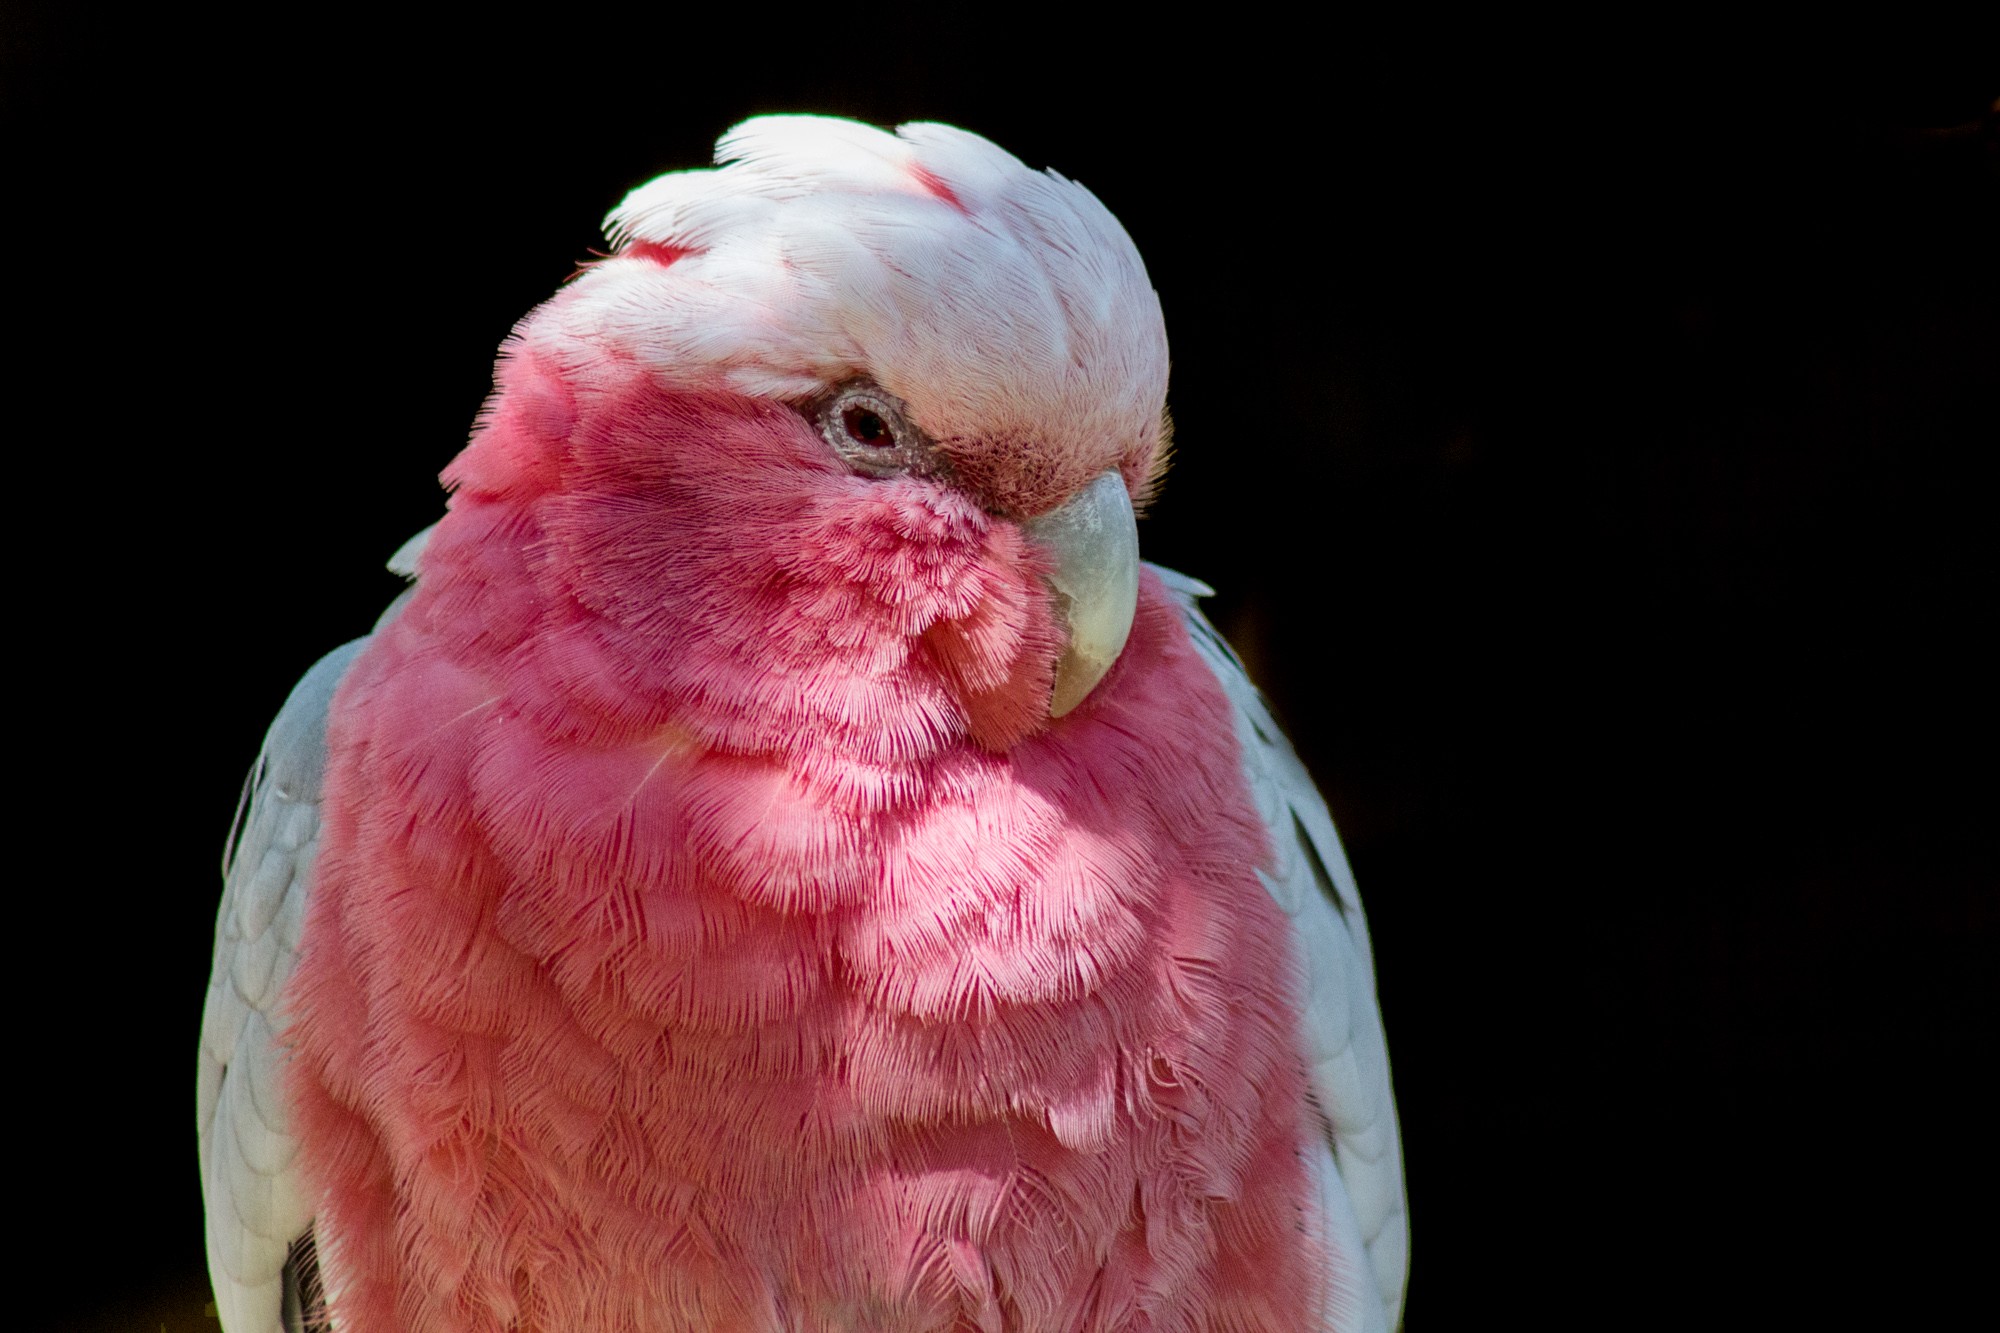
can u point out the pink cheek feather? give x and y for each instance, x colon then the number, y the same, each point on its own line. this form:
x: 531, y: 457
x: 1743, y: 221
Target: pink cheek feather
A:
x: 711, y: 931
x: 722, y: 565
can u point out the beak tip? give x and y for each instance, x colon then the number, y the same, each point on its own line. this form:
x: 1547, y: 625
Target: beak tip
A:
x: 1093, y: 539
x: 1074, y: 682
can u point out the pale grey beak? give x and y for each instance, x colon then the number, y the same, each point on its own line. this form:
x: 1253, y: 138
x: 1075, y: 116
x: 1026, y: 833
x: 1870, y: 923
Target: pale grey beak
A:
x: 1093, y: 542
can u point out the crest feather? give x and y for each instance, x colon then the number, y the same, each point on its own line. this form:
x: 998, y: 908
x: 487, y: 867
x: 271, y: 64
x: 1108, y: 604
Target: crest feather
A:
x: 1006, y: 306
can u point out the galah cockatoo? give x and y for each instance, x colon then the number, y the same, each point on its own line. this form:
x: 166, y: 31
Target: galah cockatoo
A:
x: 784, y: 864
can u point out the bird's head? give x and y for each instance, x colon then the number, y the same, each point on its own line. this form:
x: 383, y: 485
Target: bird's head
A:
x: 841, y: 443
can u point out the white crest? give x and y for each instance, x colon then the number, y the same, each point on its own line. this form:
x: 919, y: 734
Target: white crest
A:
x: 994, y: 299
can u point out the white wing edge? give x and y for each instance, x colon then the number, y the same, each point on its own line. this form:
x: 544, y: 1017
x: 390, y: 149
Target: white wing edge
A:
x: 1364, y: 1208
x: 255, y: 1203
x: 407, y: 557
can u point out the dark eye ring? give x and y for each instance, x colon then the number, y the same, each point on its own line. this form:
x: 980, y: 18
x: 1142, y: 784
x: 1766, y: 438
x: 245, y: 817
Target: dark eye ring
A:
x: 871, y: 430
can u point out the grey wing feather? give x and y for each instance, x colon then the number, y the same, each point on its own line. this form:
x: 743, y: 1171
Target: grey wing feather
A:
x: 250, y: 1184
x: 1362, y: 1182
x: 256, y: 1206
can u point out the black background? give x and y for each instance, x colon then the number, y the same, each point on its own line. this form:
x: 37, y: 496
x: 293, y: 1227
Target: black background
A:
x: 1590, y: 460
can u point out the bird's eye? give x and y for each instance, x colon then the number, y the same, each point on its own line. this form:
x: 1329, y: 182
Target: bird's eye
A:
x: 866, y: 427
x: 870, y: 429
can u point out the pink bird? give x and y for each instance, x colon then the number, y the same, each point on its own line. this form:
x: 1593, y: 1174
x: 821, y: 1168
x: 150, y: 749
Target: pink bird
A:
x: 784, y: 865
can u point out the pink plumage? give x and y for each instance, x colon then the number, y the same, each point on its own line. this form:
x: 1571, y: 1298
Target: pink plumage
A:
x: 711, y: 929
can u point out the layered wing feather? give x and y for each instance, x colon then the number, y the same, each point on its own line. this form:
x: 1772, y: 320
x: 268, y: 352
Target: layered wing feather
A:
x: 1361, y: 1177
x: 256, y: 1207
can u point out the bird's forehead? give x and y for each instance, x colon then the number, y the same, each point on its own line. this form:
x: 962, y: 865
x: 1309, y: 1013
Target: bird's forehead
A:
x: 995, y: 300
